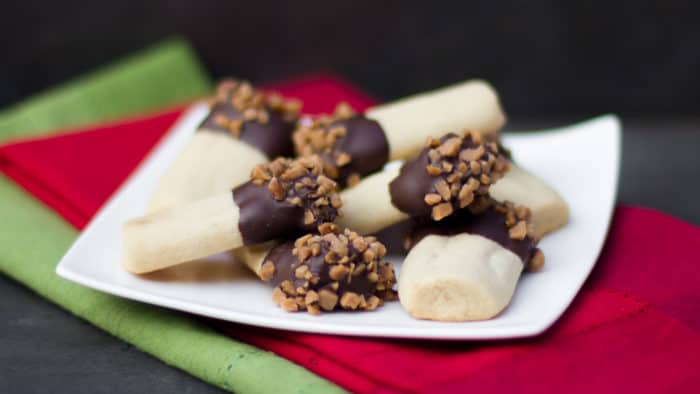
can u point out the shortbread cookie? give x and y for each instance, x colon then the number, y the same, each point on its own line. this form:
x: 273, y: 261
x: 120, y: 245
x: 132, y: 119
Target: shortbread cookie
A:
x: 324, y: 271
x: 355, y: 145
x: 448, y: 175
x: 507, y: 224
x: 245, y: 127
x: 466, y: 267
x: 549, y: 211
x: 471, y: 105
x: 457, y: 278
x: 284, y: 197
x: 367, y: 207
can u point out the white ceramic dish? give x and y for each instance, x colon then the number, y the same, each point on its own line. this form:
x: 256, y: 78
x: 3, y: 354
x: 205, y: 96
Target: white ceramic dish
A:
x: 579, y: 161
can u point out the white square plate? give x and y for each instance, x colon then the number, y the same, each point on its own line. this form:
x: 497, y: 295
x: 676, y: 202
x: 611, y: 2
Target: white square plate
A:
x: 581, y: 162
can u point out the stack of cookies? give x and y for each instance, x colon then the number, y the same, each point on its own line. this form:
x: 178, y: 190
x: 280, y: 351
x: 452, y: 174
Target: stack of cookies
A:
x: 299, y: 201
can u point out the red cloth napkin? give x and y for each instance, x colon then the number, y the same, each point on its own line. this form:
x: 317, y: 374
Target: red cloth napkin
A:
x: 634, y: 327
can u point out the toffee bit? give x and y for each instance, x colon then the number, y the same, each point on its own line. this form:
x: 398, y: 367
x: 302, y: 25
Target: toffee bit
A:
x: 441, y: 211
x: 309, y: 218
x: 432, y: 198
x: 450, y: 147
x: 518, y: 231
x: 267, y: 270
x: 313, y: 309
x: 221, y: 120
x: 327, y: 299
x: 344, y: 111
x: 359, y: 244
x: 311, y: 297
x: 338, y: 272
x: 350, y: 300
x: 472, y: 154
x: 466, y: 196
x: 536, y: 263
x: 289, y: 305
x: 443, y: 189
x: 342, y: 159
x: 373, y: 303
x: 300, y: 272
x: 288, y: 288
x: 433, y: 170
x: 278, y: 296
x: 260, y: 172
x: 326, y: 228
x: 353, y: 179
x: 276, y: 188
x: 234, y: 126
x: 433, y: 142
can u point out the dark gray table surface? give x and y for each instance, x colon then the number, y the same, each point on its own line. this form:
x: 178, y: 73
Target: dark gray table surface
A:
x: 43, y: 348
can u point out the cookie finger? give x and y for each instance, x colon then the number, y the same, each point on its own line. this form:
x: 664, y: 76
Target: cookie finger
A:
x: 245, y: 127
x: 450, y: 174
x: 467, y: 267
x: 549, y: 211
x: 324, y: 271
x: 356, y: 145
x: 284, y: 197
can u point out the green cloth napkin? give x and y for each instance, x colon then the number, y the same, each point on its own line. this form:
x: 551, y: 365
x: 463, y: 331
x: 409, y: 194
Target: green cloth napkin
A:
x: 33, y: 238
x: 166, y: 74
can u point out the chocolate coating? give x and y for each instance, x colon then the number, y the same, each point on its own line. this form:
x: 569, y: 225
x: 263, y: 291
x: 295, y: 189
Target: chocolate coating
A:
x: 272, y: 138
x: 449, y: 174
x: 262, y: 218
x: 286, y: 263
x: 489, y: 225
x: 350, y: 145
x: 283, y: 197
x: 283, y: 260
x: 366, y: 144
x: 413, y: 183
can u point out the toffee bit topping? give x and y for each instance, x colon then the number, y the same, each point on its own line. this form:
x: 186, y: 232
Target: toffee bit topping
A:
x: 536, y: 262
x: 465, y: 166
x: 237, y: 102
x: 353, y: 180
x: 334, y: 270
x: 518, y: 231
x: 301, y: 183
x: 344, y: 111
x: 517, y: 218
x: 267, y: 270
x: 321, y: 136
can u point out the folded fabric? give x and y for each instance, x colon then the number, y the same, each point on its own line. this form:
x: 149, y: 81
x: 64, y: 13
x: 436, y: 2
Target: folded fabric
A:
x: 168, y: 73
x: 633, y: 327
x: 33, y: 238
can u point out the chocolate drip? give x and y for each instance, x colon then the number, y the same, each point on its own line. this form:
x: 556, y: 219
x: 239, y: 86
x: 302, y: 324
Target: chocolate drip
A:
x: 272, y: 138
x: 488, y: 224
